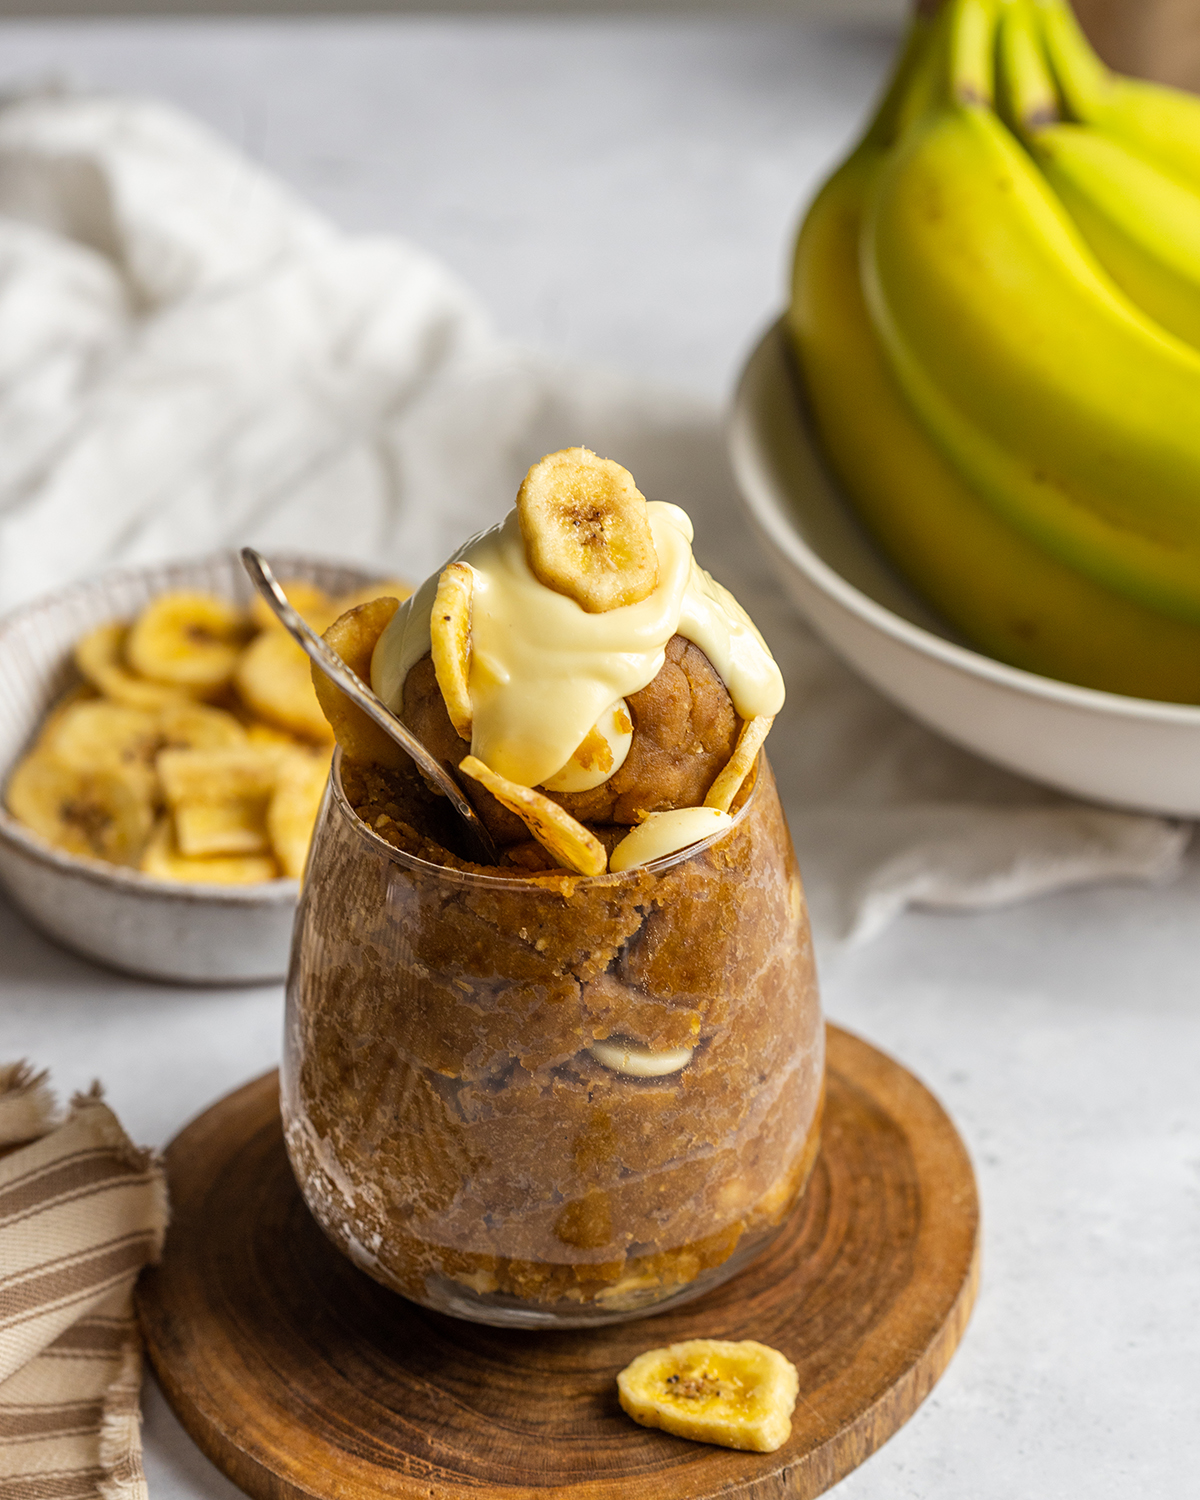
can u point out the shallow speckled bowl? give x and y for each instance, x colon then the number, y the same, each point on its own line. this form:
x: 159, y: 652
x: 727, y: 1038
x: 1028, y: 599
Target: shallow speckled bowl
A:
x: 161, y: 929
x: 1103, y: 746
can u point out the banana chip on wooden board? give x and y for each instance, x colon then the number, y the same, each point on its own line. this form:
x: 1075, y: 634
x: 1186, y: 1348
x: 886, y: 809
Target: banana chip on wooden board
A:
x: 586, y: 530
x: 738, y: 1395
x: 140, y: 770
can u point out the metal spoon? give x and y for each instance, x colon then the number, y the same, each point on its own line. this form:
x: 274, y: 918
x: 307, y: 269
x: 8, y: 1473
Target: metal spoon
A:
x: 360, y: 694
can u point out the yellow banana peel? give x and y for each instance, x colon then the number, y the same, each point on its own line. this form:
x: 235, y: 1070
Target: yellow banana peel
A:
x: 1001, y: 591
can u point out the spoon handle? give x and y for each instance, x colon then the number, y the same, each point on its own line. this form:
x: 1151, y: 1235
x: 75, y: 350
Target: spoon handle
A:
x: 361, y: 695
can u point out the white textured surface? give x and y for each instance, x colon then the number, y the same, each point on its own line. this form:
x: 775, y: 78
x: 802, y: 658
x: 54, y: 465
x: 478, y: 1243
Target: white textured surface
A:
x: 622, y: 191
x: 618, y: 190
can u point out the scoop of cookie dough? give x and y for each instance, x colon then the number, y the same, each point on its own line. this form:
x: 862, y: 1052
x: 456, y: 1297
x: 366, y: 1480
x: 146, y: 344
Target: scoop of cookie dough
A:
x: 684, y: 731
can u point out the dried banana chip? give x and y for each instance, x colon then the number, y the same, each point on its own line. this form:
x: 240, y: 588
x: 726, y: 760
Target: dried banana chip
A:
x: 586, y: 530
x: 386, y: 588
x: 274, y: 678
x: 729, y: 781
x: 100, y: 736
x: 450, y: 637
x: 739, y: 1395
x: 197, y: 726
x: 313, y: 603
x: 105, y: 813
x: 353, y: 636
x: 572, y: 845
x: 163, y: 859
x: 81, y: 692
x: 292, y: 811
x: 189, y: 639
x: 218, y: 798
x: 240, y: 773
x: 237, y: 826
x: 100, y: 656
x: 268, y: 737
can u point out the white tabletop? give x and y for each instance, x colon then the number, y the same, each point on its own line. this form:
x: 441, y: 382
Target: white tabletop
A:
x: 623, y: 191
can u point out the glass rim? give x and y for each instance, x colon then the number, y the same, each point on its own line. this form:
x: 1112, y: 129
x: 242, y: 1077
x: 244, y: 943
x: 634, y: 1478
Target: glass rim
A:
x: 414, y: 862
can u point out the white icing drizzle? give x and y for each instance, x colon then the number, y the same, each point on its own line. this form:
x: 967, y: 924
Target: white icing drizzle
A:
x: 662, y: 833
x: 636, y: 1061
x: 543, y: 670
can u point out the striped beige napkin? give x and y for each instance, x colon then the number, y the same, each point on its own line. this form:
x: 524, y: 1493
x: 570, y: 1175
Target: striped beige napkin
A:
x: 82, y: 1210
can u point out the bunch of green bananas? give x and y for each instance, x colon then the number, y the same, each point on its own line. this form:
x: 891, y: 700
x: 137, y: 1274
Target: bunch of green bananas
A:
x: 996, y: 312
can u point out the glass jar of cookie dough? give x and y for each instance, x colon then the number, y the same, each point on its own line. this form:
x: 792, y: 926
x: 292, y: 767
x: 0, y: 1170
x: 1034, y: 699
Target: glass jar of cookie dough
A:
x: 545, y: 1099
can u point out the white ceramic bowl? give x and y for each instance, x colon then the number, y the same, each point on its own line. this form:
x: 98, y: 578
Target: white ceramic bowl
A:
x: 160, y: 929
x: 1131, y: 752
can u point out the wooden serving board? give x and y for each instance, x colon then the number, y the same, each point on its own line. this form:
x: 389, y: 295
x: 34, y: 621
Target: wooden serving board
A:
x: 300, y: 1376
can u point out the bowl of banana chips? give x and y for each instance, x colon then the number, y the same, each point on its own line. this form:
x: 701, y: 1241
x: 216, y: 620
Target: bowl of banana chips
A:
x: 163, y: 760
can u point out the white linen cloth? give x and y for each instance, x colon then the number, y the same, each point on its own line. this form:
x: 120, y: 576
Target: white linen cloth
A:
x: 191, y: 358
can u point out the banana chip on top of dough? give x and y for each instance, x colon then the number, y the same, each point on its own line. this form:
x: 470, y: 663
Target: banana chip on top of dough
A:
x: 597, y: 674
x: 353, y: 636
x: 729, y: 782
x: 570, y: 844
x: 586, y: 530
x: 450, y: 643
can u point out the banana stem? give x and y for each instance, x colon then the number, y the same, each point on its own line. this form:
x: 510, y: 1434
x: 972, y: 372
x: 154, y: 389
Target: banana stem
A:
x: 1083, y: 80
x: 926, y: 84
x: 1026, y: 88
x: 972, y: 32
x: 890, y: 113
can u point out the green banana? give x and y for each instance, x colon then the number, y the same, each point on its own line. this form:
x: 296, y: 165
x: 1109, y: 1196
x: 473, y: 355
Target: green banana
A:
x: 1061, y: 404
x: 1142, y: 223
x: 1162, y: 124
x: 1004, y: 593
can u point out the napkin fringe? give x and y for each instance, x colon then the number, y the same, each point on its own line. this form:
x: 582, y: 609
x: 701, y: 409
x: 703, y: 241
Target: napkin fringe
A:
x: 28, y: 1108
x: 120, y: 1429
x: 136, y: 1158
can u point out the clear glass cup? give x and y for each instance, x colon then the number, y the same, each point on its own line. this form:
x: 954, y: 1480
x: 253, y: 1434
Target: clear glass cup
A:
x: 453, y: 1116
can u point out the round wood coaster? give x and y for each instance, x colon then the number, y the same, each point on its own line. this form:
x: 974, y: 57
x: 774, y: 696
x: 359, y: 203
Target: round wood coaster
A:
x: 299, y: 1376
